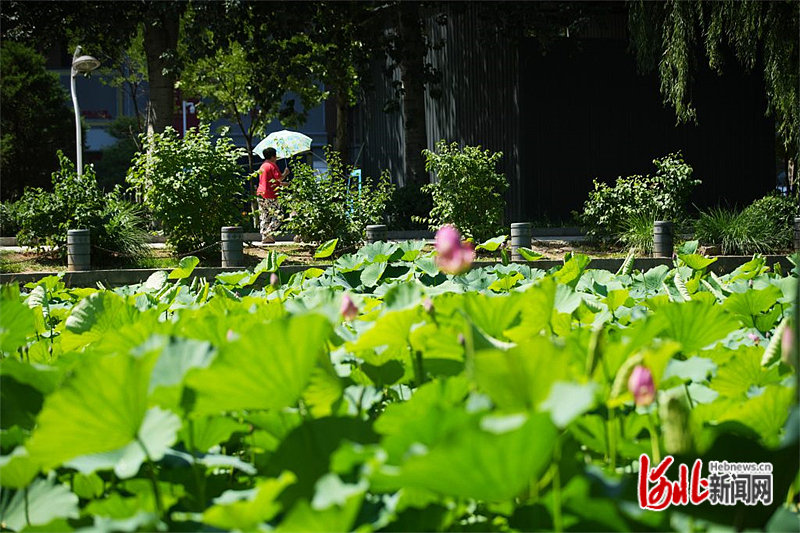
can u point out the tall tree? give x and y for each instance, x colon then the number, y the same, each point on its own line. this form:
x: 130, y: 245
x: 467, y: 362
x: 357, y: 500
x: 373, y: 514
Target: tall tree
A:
x: 244, y: 59
x: 411, y: 51
x: 347, y: 38
x: 36, y: 120
x: 106, y: 30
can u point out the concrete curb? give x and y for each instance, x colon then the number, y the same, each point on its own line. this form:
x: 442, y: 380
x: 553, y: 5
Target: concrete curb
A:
x: 114, y: 278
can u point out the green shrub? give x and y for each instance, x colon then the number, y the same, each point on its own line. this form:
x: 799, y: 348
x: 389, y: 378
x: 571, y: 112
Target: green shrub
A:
x: 193, y: 186
x: 661, y: 196
x: 637, y: 232
x: 763, y: 226
x: 44, y: 217
x: 328, y: 205
x: 9, y: 223
x: 468, y: 191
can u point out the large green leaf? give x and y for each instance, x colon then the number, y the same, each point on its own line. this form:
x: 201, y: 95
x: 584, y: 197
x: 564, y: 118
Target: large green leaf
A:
x: 736, y: 377
x: 42, y: 502
x: 537, y: 304
x: 747, y: 306
x: 695, y: 324
x: 99, y: 419
x: 573, y: 268
x: 101, y: 314
x: 492, y: 244
x: 266, y: 368
x: 245, y: 510
x: 696, y: 261
x: 16, y: 325
x: 490, y: 457
x: 17, y: 469
x: 326, y: 249
x: 333, y: 509
x: 520, y: 378
x: 185, y: 267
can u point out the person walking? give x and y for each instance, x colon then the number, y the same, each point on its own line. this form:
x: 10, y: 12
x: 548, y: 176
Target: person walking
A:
x: 269, y: 179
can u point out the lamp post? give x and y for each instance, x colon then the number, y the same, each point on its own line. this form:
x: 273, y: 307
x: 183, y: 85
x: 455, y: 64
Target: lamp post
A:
x: 80, y: 65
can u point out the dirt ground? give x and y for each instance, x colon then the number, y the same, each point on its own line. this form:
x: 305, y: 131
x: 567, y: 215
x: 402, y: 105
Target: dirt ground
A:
x: 299, y: 254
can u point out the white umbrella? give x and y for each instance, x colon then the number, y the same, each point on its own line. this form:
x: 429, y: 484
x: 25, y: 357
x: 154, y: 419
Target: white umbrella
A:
x: 286, y: 143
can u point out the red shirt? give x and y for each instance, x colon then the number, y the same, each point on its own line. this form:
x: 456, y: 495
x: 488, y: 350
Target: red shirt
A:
x: 269, y: 179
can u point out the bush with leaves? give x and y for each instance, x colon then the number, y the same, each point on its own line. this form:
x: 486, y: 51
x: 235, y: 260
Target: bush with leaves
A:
x: 661, y: 196
x: 44, y: 217
x: 193, y: 186
x: 328, y: 205
x: 9, y: 223
x: 763, y: 226
x: 468, y: 191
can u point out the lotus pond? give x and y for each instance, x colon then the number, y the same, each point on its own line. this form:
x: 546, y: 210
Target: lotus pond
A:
x: 505, y: 398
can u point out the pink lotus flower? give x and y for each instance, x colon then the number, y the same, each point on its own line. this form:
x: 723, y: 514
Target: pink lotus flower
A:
x: 641, y: 385
x: 453, y: 256
x: 753, y: 337
x: 787, y: 344
x: 349, y: 310
x: 274, y: 280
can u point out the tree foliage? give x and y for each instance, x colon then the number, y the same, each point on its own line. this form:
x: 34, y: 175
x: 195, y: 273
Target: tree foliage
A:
x: 668, y: 35
x: 36, y: 121
x: 193, y: 186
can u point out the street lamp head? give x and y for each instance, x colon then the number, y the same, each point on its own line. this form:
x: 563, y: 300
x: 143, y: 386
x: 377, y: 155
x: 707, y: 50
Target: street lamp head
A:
x: 84, y: 64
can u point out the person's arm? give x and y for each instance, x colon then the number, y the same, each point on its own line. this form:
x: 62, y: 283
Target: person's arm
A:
x: 285, y: 172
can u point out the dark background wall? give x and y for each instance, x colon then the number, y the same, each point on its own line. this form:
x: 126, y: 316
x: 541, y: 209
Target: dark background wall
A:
x: 586, y: 113
x: 577, y: 112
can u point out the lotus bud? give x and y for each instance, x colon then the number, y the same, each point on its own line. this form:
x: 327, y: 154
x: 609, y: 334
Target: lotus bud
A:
x: 787, y: 345
x: 462, y: 340
x: 675, y: 424
x: 641, y: 386
x: 349, y: 310
x: 231, y: 336
x: 274, y: 280
x: 753, y: 337
x: 453, y: 256
x: 427, y: 304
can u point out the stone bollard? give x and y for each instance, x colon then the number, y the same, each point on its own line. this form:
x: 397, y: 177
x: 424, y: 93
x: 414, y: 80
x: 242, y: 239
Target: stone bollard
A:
x: 797, y: 234
x: 79, y: 250
x: 520, y: 237
x: 232, y: 246
x: 377, y: 232
x: 662, y: 238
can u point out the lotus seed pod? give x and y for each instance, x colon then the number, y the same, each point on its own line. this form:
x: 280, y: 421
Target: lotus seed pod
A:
x: 676, y: 424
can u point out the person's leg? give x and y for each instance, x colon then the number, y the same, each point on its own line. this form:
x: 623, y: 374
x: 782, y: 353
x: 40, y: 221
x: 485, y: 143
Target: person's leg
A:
x: 274, y: 219
x: 264, y: 219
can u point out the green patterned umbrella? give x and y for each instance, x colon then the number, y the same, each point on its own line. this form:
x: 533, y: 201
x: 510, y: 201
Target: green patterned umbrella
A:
x: 286, y: 143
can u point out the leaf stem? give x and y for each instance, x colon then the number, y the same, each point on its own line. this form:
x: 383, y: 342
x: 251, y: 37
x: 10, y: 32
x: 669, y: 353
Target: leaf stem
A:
x: 27, y: 514
x: 152, y: 470
x: 611, y: 427
x: 688, y: 396
x: 558, y: 524
x: 651, y: 427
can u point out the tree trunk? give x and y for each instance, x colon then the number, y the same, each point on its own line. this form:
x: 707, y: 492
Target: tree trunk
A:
x: 341, y: 139
x: 412, y: 72
x: 160, y: 38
